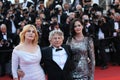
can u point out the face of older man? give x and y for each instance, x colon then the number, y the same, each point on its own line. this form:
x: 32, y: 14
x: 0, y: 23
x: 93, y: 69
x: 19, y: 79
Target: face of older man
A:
x: 3, y: 29
x: 56, y: 40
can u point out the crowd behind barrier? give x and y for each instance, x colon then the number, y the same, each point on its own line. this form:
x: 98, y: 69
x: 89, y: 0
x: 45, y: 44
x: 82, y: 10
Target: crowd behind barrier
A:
x: 103, y: 28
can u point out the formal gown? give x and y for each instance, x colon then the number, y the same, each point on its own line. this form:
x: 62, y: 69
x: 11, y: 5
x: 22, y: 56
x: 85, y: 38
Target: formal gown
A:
x: 29, y: 63
x: 84, y: 60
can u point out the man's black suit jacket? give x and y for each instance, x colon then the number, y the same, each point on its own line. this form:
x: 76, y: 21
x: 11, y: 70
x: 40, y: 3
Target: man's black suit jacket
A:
x: 52, y: 69
x: 5, y: 51
x: 9, y: 39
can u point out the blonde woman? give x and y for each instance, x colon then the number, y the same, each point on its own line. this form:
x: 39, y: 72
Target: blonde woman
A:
x: 27, y: 55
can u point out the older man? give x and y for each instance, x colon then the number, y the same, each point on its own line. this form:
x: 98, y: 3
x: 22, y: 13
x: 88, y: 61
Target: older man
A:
x: 5, y: 48
x: 57, y: 58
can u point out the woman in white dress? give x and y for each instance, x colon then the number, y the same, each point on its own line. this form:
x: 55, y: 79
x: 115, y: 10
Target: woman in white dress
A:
x: 27, y: 56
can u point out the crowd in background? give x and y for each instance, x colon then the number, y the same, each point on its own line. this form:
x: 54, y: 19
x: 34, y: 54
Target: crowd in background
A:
x: 104, y: 28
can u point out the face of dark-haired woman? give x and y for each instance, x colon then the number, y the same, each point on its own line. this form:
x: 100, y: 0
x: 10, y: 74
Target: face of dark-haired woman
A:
x: 78, y: 27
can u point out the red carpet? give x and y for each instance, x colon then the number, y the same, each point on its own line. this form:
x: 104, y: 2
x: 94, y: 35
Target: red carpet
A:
x: 5, y: 78
x: 112, y: 73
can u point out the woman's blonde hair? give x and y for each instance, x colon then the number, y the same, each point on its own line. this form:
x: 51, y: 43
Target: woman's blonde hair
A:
x: 25, y: 29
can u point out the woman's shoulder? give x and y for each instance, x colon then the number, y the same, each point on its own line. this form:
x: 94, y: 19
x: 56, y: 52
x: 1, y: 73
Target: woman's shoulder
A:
x: 18, y: 47
x: 88, y: 38
x: 38, y: 46
x: 69, y: 39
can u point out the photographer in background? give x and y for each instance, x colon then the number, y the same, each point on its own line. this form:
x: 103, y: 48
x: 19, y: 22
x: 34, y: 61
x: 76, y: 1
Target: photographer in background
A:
x: 5, y: 48
x: 88, y: 29
x: 6, y: 5
x: 102, y: 35
x: 116, y: 5
x: 11, y: 22
x: 86, y: 5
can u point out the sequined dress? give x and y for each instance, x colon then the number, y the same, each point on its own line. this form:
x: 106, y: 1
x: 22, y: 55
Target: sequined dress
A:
x: 84, y: 58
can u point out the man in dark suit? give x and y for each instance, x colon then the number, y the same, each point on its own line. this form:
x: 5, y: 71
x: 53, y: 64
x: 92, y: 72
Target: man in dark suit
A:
x: 42, y: 29
x: 5, y: 48
x: 11, y: 22
x: 57, y: 58
x: 89, y: 28
x: 76, y: 2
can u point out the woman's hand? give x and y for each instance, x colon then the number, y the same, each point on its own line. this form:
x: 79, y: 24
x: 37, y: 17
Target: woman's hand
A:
x: 15, y: 79
x: 88, y: 59
x: 20, y: 73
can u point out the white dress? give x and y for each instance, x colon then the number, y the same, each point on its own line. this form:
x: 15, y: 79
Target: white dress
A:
x: 29, y: 63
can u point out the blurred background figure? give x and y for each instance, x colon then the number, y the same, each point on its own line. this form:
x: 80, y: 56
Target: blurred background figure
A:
x: 6, y: 46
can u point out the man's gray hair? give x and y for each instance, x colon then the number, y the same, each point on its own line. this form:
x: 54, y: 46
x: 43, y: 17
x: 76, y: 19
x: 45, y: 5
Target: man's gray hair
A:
x: 52, y: 33
x: 2, y: 25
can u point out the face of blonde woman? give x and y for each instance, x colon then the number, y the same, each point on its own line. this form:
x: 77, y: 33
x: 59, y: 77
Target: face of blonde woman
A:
x: 56, y: 40
x: 30, y: 34
x: 78, y: 27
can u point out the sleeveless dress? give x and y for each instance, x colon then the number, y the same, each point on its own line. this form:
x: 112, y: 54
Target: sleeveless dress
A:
x: 29, y: 63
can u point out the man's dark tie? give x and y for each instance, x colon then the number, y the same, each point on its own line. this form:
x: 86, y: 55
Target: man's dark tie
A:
x: 58, y: 49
